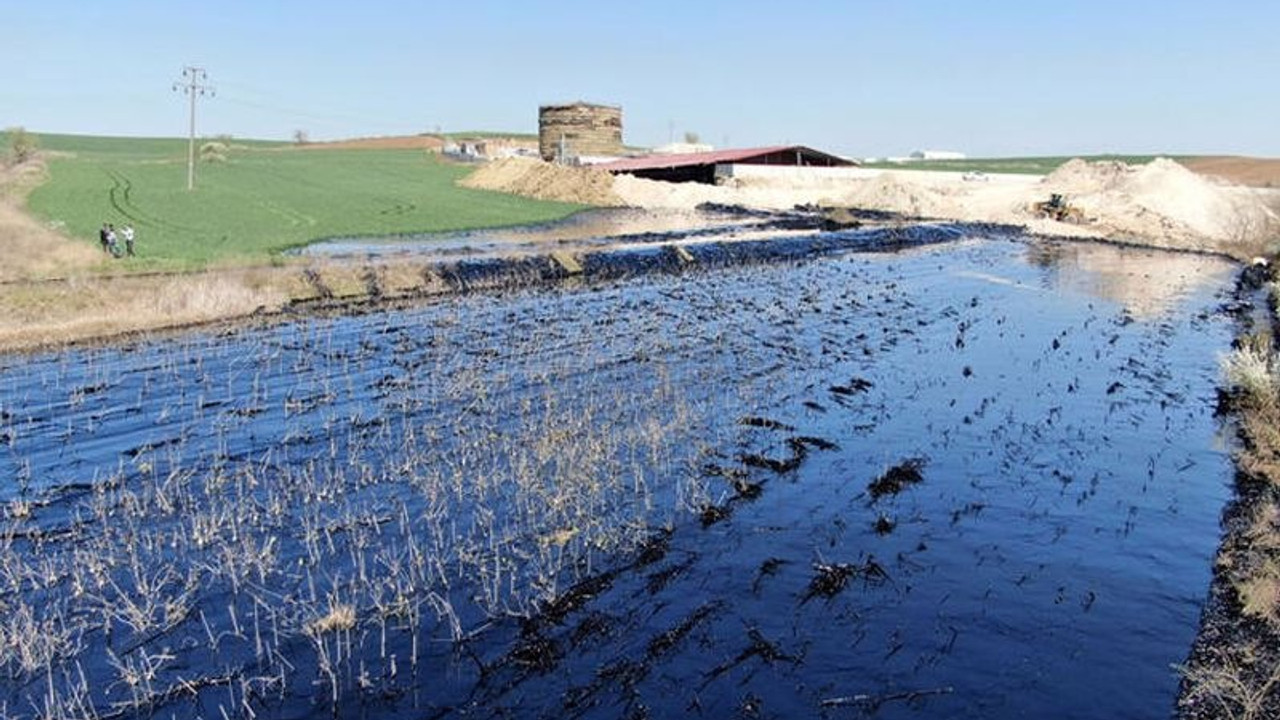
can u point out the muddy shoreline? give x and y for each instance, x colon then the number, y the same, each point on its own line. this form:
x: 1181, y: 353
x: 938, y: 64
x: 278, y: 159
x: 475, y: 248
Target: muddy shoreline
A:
x: 1232, y: 668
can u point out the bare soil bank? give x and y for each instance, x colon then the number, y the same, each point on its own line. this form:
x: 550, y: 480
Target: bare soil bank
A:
x: 1254, y: 172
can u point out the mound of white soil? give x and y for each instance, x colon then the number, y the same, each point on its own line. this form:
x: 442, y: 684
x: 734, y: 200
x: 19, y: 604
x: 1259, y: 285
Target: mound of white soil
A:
x: 897, y: 192
x: 1162, y: 201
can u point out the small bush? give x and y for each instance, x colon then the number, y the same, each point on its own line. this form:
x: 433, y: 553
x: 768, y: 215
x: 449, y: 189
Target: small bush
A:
x: 342, y: 616
x: 22, y: 145
x: 1251, y: 371
x: 1260, y: 593
x: 213, y: 151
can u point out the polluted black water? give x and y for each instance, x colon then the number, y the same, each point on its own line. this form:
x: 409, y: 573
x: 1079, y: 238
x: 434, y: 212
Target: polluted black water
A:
x: 590, y: 228
x: 974, y: 479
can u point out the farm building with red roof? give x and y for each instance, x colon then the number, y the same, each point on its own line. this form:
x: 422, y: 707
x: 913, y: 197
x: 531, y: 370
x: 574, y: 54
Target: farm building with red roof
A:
x: 701, y: 167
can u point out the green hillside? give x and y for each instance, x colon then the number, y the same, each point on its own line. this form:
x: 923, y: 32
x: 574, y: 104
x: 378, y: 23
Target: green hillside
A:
x: 264, y: 198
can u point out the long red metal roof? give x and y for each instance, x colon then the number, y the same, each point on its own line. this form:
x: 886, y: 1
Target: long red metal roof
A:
x: 653, y: 162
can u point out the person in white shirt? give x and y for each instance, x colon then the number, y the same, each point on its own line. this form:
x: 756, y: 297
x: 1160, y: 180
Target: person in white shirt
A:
x: 127, y: 232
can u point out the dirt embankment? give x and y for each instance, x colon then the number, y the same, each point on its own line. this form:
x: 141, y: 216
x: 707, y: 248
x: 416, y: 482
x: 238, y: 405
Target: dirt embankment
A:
x: 537, y: 179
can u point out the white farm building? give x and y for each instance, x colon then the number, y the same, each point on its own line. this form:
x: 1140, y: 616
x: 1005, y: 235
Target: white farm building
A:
x: 937, y: 155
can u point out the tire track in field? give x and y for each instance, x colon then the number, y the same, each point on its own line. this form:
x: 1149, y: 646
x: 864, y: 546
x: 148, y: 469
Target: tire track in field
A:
x: 293, y: 217
x: 120, y: 198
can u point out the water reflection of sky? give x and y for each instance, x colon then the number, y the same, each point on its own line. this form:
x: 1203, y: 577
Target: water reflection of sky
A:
x: 1146, y: 282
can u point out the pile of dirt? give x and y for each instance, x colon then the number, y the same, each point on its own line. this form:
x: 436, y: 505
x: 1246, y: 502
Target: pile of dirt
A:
x: 1162, y: 199
x: 542, y: 180
x: 1078, y: 175
x: 638, y: 192
x: 895, y: 193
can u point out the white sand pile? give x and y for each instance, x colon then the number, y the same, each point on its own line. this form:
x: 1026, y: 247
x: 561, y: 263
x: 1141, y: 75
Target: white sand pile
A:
x: 653, y: 194
x: 1081, y: 176
x: 1161, y: 201
x: 898, y: 193
x: 537, y: 179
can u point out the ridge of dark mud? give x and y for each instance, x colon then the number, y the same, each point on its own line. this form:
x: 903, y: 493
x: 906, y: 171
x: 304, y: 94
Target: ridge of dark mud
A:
x: 469, y: 275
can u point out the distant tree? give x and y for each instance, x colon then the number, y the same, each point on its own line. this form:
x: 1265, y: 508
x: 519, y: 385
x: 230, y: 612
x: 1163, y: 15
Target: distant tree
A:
x: 22, y: 144
x: 300, y: 137
x: 692, y: 138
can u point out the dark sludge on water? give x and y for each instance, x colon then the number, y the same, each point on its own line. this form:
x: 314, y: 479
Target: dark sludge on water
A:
x: 895, y: 479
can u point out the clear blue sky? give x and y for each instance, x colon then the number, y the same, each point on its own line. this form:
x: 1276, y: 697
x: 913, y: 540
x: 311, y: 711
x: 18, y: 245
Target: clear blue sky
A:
x: 863, y: 77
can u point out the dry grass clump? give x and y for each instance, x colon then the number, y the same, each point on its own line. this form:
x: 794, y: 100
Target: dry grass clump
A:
x: 1251, y: 371
x: 1236, y: 686
x: 1252, y: 376
x: 341, y: 616
x: 1260, y: 592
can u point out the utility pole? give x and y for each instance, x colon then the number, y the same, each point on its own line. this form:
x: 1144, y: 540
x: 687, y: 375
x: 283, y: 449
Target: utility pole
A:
x: 193, y: 85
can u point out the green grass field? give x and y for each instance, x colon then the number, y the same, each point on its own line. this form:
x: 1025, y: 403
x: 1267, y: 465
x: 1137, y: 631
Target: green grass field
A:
x: 266, y: 198
x: 1021, y: 166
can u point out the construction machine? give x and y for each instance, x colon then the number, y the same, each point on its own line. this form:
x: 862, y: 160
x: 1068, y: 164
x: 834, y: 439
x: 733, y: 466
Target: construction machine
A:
x: 1057, y: 208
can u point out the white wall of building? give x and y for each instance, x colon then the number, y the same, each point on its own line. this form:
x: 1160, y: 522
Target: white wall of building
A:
x: 785, y: 173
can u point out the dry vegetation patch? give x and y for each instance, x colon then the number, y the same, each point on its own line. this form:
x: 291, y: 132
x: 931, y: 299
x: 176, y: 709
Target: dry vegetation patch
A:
x: 1234, y: 669
x: 30, y: 249
x: 58, y: 311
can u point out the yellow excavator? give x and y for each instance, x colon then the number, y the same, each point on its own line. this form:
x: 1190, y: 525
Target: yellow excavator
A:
x: 1057, y: 208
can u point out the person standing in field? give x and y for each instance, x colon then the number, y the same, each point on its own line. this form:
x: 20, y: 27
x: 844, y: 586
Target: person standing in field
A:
x: 102, y: 238
x: 127, y: 232
x: 112, y: 246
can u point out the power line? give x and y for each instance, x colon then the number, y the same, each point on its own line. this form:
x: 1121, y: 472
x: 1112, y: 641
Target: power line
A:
x: 193, y: 85
x: 367, y: 121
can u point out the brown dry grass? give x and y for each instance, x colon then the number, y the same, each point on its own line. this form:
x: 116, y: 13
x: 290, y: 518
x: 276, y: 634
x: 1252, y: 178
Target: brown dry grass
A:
x: 55, y: 312
x: 50, y: 313
x: 28, y: 248
x: 342, y: 616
